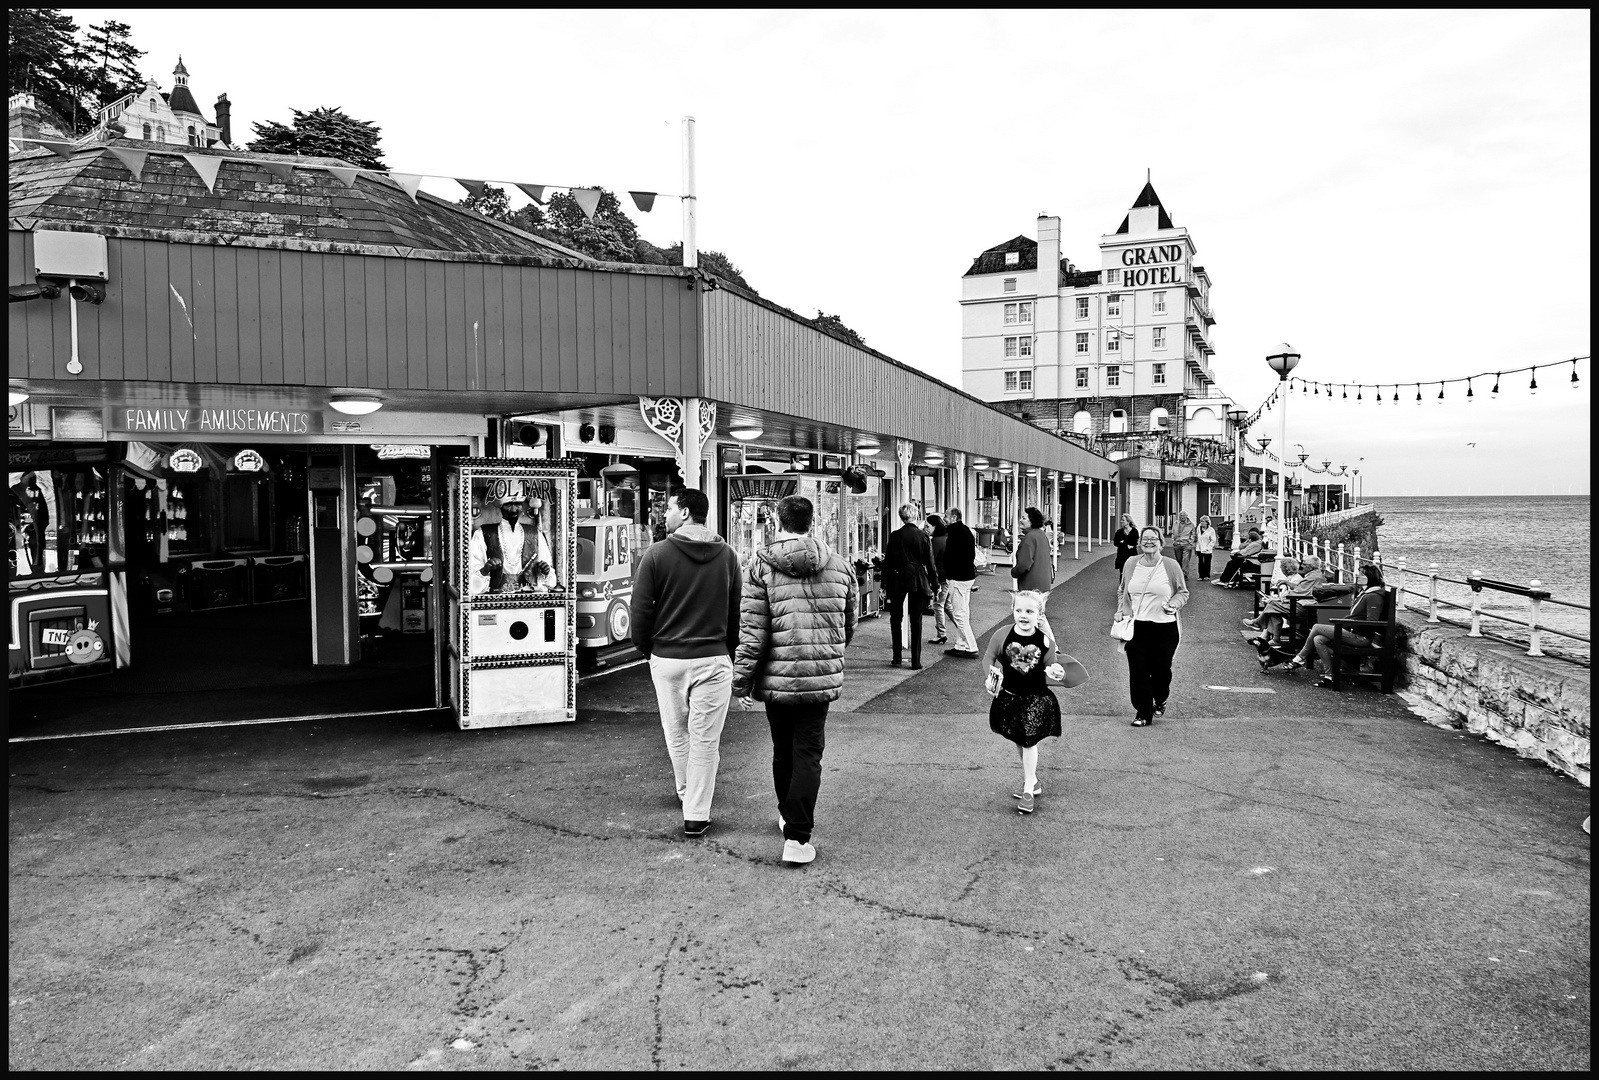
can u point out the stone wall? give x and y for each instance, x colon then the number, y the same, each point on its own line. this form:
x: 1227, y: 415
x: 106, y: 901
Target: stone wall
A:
x: 1536, y: 705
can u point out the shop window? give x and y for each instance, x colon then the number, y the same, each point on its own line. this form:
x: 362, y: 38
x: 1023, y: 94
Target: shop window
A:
x: 59, y: 520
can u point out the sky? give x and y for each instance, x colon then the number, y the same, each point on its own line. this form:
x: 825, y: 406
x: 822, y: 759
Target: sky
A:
x: 1399, y: 195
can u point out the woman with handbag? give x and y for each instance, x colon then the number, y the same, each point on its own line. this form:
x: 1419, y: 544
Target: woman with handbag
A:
x: 1153, y: 590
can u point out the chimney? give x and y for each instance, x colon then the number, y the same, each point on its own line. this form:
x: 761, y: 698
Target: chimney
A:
x: 1046, y: 311
x: 225, y: 119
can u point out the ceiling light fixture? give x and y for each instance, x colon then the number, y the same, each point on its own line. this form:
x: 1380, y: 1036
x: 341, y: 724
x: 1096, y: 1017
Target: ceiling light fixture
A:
x: 868, y: 449
x: 745, y: 432
x: 355, y: 404
x: 15, y: 394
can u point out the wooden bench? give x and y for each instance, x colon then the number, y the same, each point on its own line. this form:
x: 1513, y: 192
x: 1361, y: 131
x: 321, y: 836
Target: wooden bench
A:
x: 1384, y: 646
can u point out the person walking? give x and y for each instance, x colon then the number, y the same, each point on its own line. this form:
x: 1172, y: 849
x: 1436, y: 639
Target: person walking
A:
x: 1153, y: 592
x: 938, y: 537
x: 1126, y: 540
x: 908, y: 577
x: 1183, y: 539
x: 1205, y: 544
x: 1020, y: 663
x: 960, y: 571
x: 685, y: 611
x: 1034, y: 568
x: 797, y: 616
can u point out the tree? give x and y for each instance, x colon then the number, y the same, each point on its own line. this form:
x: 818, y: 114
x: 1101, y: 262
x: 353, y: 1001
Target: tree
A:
x: 713, y: 262
x: 45, y: 59
x: 610, y: 235
x: 495, y: 203
x: 834, y: 325
x: 325, y: 132
x: 115, y: 71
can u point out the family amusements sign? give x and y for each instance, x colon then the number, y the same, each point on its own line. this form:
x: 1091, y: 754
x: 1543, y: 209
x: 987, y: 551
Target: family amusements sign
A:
x: 217, y: 421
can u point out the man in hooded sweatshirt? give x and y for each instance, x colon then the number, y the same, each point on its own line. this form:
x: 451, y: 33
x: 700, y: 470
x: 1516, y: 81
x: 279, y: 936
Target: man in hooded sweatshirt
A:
x: 797, y: 615
x: 685, y: 619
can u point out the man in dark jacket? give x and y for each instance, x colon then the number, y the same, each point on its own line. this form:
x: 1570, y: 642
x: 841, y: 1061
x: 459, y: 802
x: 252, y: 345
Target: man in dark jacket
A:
x: 960, y: 570
x: 685, y: 619
x: 908, y: 577
x: 798, y: 615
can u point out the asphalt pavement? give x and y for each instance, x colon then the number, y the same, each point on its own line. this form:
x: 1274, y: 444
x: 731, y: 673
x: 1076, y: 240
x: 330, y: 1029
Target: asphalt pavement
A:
x: 1273, y: 876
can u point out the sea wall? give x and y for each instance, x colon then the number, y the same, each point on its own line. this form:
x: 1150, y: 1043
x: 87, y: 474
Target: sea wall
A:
x: 1361, y: 529
x: 1536, y: 705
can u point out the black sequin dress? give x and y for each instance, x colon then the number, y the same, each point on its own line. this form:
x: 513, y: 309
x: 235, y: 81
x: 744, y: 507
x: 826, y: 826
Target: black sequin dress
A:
x: 1025, y: 710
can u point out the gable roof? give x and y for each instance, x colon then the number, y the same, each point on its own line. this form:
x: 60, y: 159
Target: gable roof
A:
x: 94, y: 188
x: 1147, y: 197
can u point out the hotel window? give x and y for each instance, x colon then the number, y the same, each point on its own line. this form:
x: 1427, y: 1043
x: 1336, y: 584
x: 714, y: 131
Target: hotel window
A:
x: 1010, y: 348
x: 1160, y: 375
x: 1025, y: 311
x: 1113, y: 343
x: 1010, y: 314
x: 1113, y: 375
x: 1010, y: 382
x: 1082, y: 307
x: 1010, y: 284
x: 1025, y: 342
x: 1159, y: 333
x: 1113, y: 277
x: 1082, y: 378
x: 1113, y: 304
x: 1082, y: 342
x: 1013, y: 258
x: 1026, y: 380
x: 1160, y: 303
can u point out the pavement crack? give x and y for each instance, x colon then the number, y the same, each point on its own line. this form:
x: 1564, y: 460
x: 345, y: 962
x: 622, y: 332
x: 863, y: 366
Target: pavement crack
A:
x: 655, y: 1001
x: 964, y: 924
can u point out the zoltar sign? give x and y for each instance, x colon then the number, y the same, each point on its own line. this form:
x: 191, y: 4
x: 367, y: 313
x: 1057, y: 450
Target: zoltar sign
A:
x: 1143, y: 265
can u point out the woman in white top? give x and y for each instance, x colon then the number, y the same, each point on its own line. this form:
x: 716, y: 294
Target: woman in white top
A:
x: 1207, y: 544
x: 1154, y: 589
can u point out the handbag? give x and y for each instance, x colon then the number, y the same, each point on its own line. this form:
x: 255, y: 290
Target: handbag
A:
x: 1121, y: 628
x: 979, y: 560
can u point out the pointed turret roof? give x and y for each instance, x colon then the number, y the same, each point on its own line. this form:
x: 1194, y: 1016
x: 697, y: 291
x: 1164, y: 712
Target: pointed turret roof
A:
x: 1147, y: 197
x: 180, y: 69
x: 182, y: 98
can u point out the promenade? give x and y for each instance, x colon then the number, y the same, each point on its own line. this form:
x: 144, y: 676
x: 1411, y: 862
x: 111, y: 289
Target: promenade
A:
x: 1273, y: 876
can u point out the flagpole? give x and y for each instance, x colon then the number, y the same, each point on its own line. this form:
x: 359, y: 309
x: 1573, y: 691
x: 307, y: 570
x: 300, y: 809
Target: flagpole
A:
x: 691, y: 254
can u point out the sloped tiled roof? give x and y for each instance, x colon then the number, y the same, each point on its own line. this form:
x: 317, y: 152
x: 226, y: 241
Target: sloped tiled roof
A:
x: 992, y: 261
x: 94, y: 188
x: 182, y: 100
x: 1147, y: 197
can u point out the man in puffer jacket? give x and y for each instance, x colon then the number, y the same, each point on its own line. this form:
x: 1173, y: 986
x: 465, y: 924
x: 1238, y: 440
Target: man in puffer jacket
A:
x: 796, y: 615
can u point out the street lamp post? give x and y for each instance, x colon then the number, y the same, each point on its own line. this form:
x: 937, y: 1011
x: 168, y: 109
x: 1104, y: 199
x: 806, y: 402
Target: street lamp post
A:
x: 1265, y: 441
x: 1237, y: 417
x: 1282, y: 362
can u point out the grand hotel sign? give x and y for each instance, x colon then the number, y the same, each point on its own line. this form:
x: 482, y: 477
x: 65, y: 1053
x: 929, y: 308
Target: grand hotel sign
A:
x: 1147, y: 265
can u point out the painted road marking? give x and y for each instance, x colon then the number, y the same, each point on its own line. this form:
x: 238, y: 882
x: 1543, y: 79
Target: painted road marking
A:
x: 1242, y: 689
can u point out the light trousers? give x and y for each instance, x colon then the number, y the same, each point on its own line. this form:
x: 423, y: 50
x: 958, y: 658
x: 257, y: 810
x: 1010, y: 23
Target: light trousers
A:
x: 693, y: 696
x: 958, y: 601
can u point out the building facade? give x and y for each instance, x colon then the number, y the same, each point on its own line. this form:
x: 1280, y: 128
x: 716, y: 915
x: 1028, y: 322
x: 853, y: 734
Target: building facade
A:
x: 1117, y: 357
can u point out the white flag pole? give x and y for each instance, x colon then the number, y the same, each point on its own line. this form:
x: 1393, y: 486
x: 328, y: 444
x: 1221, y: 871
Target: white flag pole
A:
x: 691, y: 257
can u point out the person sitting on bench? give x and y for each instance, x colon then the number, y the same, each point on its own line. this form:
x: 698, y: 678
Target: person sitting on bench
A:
x: 1250, y: 552
x: 1275, y: 611
x: 1370, y: 605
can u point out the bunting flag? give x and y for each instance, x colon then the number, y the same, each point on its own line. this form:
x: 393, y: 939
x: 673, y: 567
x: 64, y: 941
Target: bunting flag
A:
x: 207, y: 167
x: 534, y: 192
x: 283, y: 170
x: 474, y: 188
x: 409, y: 181
x: 133, y: 159
x: 59, y: 146
x: 347, y: 175
x: 588, y: 200
x: 644, y: 200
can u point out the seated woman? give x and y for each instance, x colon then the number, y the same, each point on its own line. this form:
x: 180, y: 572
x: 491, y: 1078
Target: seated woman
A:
x: 1371, y: 604
x: 1275, y: 611
x: 1249, y: 553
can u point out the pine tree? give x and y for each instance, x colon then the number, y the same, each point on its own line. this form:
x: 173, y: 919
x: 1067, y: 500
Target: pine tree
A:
x: 45, y: 59
x: 116, y: 70
x: 325, y: 132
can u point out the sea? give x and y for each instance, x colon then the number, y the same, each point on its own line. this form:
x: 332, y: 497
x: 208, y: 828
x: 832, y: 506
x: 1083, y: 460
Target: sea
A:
x: 1517, y: 538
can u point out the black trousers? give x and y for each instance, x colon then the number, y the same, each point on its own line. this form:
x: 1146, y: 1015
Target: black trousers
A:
x: 798, y: 738
x: 1236, y: 566
x: 1204, y: 564
x: 896, y: 606
x: 1149, y: 657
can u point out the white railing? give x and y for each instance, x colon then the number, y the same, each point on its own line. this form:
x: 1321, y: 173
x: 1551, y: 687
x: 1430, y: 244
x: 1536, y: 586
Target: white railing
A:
x: 1344, y: 564
x: 1334, y: 517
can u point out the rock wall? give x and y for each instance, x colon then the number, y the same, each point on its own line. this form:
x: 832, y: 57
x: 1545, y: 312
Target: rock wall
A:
x: 1537, y: 706
x: 1360, y: 529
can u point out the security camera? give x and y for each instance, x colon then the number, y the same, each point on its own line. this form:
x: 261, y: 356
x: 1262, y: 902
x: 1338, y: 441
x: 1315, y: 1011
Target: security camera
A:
x: 89, y: 293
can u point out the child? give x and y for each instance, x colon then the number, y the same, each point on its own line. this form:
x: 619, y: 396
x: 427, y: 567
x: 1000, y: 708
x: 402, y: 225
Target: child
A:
x: 1020, y: 662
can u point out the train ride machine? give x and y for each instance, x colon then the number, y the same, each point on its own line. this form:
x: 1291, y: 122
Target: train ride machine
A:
x: 511, y: 651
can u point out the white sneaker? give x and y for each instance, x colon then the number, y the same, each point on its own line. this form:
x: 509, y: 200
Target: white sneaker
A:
x: 796, y: 852
x: 781, y: 824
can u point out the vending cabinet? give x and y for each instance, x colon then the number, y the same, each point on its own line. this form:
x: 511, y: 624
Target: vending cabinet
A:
x: 511, y: 595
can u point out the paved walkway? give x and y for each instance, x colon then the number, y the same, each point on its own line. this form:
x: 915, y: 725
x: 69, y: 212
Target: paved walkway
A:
x: 1280, y: 879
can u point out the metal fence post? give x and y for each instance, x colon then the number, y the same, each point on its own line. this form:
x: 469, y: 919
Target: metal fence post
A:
x: 1399, y: 583
x: 1534, y: 599
x: 1354, y: 563
x: 1339, y: 565
x: 1474, y: 579
x: 1432, y: 592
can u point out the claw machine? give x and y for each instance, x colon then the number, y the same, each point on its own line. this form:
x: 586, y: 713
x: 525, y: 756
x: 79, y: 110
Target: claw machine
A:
x: 512, y: 650
x: 848, y: 519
